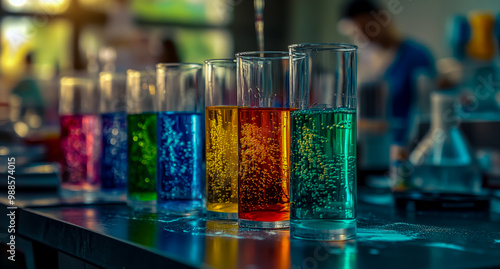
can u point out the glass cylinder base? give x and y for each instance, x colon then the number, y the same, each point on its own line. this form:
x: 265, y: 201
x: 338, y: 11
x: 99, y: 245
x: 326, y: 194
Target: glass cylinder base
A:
x: 113, y: 195
x: 142, y: 205
x: 222, y: 215
x: 263, y: 224
x: 87, y: 196
x: 323, y: 229
x: 181, y: 208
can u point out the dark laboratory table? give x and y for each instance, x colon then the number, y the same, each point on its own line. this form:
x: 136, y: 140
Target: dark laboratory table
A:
x: 53, y: 233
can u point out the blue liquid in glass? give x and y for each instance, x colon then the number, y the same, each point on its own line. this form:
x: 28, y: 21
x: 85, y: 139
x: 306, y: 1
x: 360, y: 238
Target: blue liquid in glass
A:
x: 180, y: 182
x: 114, y: 152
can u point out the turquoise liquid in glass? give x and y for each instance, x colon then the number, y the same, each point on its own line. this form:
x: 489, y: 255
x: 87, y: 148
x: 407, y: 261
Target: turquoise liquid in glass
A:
x: 323, y: 172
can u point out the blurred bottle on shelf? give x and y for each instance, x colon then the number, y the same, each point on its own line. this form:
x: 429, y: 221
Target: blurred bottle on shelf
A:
x: 472, y: 41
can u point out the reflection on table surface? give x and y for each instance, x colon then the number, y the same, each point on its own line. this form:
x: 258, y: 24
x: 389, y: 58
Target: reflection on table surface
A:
x: 385, y: 237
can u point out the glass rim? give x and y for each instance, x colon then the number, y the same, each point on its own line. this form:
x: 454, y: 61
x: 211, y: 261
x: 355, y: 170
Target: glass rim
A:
x: 342, y: 47
x: 113, y: 74
x: 76, y: 80
x: 141, y: 72
x: 250, y: 55
x: 179, y: 66
x: 222, y: 61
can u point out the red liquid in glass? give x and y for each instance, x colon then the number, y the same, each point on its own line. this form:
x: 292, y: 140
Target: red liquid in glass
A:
x: 80, y: 151
x: 264, y: 161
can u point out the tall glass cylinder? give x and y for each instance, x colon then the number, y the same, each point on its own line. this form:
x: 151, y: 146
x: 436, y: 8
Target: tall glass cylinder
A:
x: 221, y: 121
x: 141, y: 139
x: 180, y: 138
x: 323, y: 149
x: 80, y: 136
x: 113, y: 165
x: 264, y: 139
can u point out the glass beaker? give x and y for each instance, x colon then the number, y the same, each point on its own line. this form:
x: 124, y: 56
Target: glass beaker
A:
x: 141, y: 139
x: 80, y: 136
x: 221, y: 121
x: 264, y: 139
x: 323, y: 147
x: 180, y: 138
x: 113, y: 164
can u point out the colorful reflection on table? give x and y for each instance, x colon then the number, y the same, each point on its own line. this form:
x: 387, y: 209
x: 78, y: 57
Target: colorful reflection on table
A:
x: 221, y: 244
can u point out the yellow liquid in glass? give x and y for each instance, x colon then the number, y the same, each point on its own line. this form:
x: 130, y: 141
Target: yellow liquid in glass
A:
x: 222, y: 158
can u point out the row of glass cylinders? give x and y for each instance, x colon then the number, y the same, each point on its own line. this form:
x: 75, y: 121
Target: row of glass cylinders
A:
x: 280, y: 139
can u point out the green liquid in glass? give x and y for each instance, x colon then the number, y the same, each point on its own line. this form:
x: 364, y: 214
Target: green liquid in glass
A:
x: 323, y: 165
x: 141, y: 131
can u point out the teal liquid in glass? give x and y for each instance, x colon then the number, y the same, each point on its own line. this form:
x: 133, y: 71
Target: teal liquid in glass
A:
x: 323, y: 173
x: 141, y: 134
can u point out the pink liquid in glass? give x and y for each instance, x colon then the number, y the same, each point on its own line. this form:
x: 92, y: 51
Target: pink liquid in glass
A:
x: 80, y: 151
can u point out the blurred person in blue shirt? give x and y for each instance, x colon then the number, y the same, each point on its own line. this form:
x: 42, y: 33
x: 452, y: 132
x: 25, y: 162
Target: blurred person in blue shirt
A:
x: 396, y: 61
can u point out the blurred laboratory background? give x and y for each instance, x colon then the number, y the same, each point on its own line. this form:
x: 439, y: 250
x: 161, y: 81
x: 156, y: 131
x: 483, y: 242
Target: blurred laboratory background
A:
x: 428, y: 74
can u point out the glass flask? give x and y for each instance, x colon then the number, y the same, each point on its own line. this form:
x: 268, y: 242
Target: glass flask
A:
x: 443, y: 161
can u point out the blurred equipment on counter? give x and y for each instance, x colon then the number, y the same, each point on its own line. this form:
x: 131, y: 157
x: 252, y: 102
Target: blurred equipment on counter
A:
x: 474, y: 43
x: 435, y: 201
x: 443, y: 161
